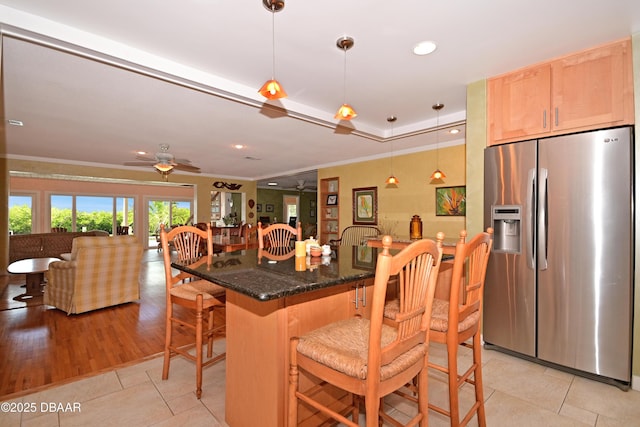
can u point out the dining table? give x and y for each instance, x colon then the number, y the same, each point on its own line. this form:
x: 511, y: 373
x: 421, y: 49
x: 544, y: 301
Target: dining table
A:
x: 271, y: 296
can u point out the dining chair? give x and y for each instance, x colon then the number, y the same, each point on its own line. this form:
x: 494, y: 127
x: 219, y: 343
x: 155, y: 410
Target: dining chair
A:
x: 366, y: 357
x: 199, y: 297
x: 58, y: 230
x: 355, y: 235
x: 457, y: 321
x: 122, y: 230
x: 278, y: 235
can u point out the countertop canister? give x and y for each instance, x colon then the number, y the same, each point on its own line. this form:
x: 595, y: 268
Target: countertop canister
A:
x: 415, y: 228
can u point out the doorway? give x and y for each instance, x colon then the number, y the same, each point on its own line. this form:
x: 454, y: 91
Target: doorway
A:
x: 290, y: 209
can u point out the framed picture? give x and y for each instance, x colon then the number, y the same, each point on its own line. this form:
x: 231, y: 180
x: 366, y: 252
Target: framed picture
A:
x: 269, y: 207
x: 332, y: 199
x: 451, y: 201
x: 259, y: 207
x: 312, y: 204
x: 312, y: 213
x: 365, y: 206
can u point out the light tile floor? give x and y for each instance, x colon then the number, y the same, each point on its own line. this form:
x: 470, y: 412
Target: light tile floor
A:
x: 517, y: 393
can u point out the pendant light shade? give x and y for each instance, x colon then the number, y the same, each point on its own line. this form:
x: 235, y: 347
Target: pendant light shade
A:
x: 346, y: 111
x: 392, y: 180
x: 437, y: 176
x: 272, y: 89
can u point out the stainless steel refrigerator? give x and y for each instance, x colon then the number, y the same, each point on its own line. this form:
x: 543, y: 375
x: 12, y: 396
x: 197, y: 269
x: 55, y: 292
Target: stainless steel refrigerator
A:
x: 559, y: 285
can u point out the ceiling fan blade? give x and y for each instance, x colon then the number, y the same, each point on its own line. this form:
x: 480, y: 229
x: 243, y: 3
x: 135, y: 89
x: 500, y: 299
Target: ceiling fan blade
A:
x: 139, y: 163
x: 146, y: 159
x: 186, y: 167
x: 183, y: 161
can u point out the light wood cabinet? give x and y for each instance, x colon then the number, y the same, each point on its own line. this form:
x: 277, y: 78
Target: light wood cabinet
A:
x: 329, y: 213
x: 588, y: 90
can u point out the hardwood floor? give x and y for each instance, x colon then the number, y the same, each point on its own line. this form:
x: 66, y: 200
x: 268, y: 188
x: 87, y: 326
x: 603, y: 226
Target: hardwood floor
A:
x: 40, y: 345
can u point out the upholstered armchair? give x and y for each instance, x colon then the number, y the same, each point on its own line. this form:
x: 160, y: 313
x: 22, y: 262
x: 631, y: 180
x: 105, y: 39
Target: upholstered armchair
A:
x: 101, y: 272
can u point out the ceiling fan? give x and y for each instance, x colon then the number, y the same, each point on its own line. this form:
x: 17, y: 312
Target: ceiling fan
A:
x: 164, y: 162
x: 301, y: 186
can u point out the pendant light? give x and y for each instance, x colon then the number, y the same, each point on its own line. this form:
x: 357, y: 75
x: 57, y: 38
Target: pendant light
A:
x: 437, y: 175
x: 392, y: 180
x: 272, y: 88
x: 345, y: 112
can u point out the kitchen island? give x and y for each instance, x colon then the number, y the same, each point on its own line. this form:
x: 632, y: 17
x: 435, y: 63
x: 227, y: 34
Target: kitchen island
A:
x: 269, y: 299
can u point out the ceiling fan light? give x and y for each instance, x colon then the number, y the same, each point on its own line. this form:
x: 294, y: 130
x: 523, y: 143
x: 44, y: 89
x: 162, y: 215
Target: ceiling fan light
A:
x: 345, y: 112
x: 163, y: 167
x: 272, y: 90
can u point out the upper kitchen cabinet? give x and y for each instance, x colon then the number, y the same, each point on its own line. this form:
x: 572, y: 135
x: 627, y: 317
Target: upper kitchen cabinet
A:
x: 588, y: 90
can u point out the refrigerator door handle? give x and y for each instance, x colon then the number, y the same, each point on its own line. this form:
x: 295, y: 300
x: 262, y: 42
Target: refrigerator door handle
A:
x: 531, y: 184
x: 543, y: 176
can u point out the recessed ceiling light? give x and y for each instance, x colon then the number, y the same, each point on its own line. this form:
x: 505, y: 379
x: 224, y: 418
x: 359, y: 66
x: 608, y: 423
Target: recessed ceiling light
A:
x: 272, y: 184
x: 15, y: 122
x: 424, y: 47
x: 238, y: 146
x: 454, y: 131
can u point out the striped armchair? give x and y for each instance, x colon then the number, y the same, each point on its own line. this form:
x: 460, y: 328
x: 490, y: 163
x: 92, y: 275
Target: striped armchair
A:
x: 355, y: 235
x: 101, y: 272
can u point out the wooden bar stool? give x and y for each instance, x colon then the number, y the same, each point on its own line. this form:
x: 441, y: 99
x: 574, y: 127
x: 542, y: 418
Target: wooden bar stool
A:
x: 201, y: 296
x: 456, y: 321
x: 368, y: 357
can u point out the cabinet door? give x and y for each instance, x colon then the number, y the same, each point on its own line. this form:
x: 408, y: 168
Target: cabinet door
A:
x: 592, y: 89
x: 519, y: 103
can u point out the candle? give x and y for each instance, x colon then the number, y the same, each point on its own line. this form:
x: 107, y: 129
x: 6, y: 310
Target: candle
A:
x: 301, y: 249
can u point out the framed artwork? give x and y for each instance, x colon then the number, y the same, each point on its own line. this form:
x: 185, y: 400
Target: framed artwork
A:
x: 332, y: 199
x: 269, y: 207
x: 364, y: 257
x: 365, y: 206
x: 259, y: 207
x: 451, y: 201
x: 312, y: 213
x: 312, y: 204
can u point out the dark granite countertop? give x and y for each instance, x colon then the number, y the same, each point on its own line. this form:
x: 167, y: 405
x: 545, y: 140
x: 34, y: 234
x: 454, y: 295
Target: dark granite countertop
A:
x: 267, y: 279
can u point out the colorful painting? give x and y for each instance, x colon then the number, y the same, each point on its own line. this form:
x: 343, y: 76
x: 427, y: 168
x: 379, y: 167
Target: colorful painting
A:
x: 365, y: 206
x: 451, y: 201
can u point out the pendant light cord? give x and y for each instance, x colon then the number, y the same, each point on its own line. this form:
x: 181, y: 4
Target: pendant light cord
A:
x: 344, y: 77
x: 273, y: 41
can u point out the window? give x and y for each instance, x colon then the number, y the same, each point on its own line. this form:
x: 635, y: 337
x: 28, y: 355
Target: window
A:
x: 168, y: 212
x: 62, y: 211
x: 85, y: 213
x: 290, y: 204
x: 20, y: 214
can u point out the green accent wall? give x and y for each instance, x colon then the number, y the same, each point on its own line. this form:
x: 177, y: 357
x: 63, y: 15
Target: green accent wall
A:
x: 274, y: 197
